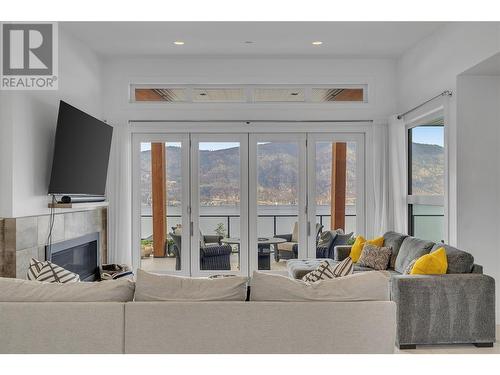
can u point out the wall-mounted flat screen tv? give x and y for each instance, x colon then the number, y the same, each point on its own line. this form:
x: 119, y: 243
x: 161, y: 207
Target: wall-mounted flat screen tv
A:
x: 81, y: 154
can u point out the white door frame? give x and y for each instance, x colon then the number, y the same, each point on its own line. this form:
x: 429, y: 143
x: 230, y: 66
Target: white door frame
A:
x: 137, y: 139
x: 195, y: 198
x: 300, y: 138
x: 312, y: 138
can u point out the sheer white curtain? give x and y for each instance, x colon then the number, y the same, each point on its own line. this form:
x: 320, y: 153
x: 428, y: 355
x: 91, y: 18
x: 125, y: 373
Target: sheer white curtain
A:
x: 120, y: 197
x: 380, y: 179
x: 397, y: 175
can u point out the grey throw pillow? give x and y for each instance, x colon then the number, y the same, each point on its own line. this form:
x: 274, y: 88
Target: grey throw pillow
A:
x: 375, y: 257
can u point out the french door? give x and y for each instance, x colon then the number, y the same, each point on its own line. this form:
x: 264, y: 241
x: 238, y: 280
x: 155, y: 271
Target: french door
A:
x: 207, y: 203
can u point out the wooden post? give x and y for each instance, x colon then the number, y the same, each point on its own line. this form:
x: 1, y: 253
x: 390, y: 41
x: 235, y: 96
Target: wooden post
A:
x: 338, y: 188
x: 158, y: 187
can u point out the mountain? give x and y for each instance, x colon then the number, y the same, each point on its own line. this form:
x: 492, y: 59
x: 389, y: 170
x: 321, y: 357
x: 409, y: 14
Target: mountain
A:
x: 277, y: 174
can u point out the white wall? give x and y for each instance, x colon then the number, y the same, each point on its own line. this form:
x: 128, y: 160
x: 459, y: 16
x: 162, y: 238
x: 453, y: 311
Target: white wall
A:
x: 30, y: 127
x: 478, y: 163
x: 432, y: 66
x: 120, y: 73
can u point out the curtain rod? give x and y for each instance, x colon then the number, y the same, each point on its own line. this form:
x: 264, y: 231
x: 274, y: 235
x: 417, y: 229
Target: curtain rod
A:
x: 251, y: 121
x: 444, y: 93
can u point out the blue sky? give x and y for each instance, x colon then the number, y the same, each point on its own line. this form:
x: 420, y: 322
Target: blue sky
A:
x: 428, y: 134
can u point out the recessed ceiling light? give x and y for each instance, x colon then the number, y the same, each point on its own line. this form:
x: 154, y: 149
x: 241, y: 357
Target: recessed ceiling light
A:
x: 179, y: 43
x: 317, y: 43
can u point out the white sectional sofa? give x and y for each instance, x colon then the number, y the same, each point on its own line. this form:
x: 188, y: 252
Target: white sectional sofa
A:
x: 149, y: 326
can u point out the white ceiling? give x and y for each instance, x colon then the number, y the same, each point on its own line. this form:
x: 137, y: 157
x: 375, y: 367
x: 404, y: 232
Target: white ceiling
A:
x: 340, y: 39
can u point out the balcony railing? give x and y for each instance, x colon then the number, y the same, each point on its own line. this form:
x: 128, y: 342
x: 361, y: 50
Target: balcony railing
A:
x: 229, y: 217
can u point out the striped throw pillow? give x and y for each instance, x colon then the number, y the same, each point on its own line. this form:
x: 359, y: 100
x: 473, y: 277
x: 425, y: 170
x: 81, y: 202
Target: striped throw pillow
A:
x: 326, y: 271
x: 50, y: 273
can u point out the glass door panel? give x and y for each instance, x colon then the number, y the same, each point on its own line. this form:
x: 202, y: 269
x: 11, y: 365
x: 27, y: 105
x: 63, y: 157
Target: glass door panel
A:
x: 277, y: 200
x: 162, y: 187
x: 335, y: 187
x: 219, y: 203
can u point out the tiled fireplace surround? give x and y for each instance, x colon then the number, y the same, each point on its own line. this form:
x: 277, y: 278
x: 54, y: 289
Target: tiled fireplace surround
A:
x: 24, y: 238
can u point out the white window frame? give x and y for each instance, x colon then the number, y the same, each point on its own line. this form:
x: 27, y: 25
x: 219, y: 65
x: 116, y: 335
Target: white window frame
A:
x: 419, y: 119
x: 254, y: 138
x: 137, y: 139
x: 312, y: 139
x: 195, y: 199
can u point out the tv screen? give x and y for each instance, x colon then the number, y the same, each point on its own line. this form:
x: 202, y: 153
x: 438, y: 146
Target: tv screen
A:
x: 81, y: 153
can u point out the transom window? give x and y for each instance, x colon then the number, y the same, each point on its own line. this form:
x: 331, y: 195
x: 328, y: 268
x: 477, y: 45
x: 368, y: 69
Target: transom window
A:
x: 250, y: 94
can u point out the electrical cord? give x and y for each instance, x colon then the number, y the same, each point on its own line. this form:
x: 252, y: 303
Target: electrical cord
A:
x: 48, y: 243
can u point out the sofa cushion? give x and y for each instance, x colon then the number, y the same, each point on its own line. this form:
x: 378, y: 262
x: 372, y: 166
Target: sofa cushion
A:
x: 363, y: 286
x: 411, y: 248
x: 394, y: 241
x: 17, y: 290
x: 152, y: 287
x: 458, y: 261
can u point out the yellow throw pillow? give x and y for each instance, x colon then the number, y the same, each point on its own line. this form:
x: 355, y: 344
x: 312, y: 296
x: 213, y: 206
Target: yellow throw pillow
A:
x: 435, y: 263
x: 359, y: 243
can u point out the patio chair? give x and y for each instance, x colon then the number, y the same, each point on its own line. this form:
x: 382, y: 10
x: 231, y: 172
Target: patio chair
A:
x: 213, y: 255
x: 290, y: 248
x: 177, y: 249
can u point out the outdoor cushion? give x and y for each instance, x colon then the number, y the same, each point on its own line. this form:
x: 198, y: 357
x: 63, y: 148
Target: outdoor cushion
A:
x: 342, y: 239
x: 326, y: 238
x: 458, y: 261
x: 394, y: 241
x: 295, y: 232
x: 286, y: 246
x: 411, y: 248
x: 17, y: 290
x: 151, y: 287
x: 363, y: 286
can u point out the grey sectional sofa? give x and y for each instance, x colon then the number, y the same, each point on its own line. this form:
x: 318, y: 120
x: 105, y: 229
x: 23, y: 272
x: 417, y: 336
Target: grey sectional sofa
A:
x: 458, y: 307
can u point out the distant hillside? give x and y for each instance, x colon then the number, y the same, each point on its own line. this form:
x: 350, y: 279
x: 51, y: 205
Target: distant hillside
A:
x: 428, y: 169
x: 277, y: 174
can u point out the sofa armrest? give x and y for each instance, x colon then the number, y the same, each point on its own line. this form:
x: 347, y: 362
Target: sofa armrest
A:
x: 216, y: 250
x: 212, y: 238
x: 340, y: 252
x: 444, y: 309
x: 287, y: 237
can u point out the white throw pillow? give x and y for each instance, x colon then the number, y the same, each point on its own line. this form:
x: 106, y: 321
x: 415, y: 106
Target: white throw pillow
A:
x: 327, y: 271
x: 49, y: 272
x: 152, y: 287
